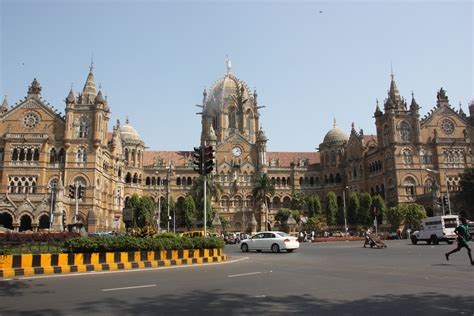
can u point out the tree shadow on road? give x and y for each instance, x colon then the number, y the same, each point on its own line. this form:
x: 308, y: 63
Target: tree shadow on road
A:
x: 218, y: 302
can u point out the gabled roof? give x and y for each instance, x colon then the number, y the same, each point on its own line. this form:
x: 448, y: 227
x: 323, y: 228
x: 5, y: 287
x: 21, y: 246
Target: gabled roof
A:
x: 41, y: 103
x: 177, y: 158
x: 286, y: 158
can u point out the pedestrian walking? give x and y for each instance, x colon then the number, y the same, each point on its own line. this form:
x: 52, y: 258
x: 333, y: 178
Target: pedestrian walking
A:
x: 463, y: 237
x: 367, y: 238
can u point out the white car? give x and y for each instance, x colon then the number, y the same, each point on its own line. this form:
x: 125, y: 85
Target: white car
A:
x: 272, y: 240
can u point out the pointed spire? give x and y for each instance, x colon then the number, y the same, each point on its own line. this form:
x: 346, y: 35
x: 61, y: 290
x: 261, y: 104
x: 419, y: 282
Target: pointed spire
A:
x: 378, y: 112
x: 34, y: 89
x: 5, y: 102
x: 353, y: 126
x: 70, y: 97
x: 99, y: 98
x: 414, y: 106
x: 334, y: 123
x: 461, y: 112
x: 4, y: 107
x: 393, y: 92
x: 89, y: 90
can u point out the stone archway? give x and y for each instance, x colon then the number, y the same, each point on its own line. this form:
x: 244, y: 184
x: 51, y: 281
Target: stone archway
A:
x: 6, y: 220
x: 44, y: 222
x: 25, y: 223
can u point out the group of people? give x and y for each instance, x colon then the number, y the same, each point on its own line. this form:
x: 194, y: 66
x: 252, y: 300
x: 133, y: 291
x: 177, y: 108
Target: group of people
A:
x: 305, y: 236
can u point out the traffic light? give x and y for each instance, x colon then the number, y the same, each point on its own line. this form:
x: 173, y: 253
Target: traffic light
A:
x: 72, y: 191
x: 80, y: 192
x: 445, y: 200
x: 208, y: 159
x: 197, y: 160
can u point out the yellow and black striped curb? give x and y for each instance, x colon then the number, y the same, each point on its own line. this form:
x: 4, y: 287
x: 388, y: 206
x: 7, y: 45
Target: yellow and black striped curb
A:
x: 27, y: 265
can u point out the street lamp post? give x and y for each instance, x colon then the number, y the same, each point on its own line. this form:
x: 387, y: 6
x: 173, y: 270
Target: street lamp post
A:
x: 447, y: 189
x: 158, y: 217
x: 344, y: 203
x: 168, y: 192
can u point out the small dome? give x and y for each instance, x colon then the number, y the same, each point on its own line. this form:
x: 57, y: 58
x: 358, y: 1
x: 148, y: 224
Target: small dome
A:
x: 335, y: 136
x: 127, y: 132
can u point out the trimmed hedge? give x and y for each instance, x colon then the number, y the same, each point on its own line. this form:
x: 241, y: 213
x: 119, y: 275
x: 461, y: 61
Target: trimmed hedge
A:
x: 25, y: 238
x: 128, y: 243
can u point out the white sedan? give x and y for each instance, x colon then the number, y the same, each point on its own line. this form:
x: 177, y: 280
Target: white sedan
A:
x: 273, y: 240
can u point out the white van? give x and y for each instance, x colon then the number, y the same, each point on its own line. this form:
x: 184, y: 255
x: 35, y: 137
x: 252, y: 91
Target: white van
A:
x: 436, y: 229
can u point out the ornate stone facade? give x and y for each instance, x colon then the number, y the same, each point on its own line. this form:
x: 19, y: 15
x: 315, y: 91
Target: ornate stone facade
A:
x: 42, y: 153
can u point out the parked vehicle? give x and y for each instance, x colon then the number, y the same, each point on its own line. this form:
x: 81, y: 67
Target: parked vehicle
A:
x: 435, y: 229
x: 271, y: 240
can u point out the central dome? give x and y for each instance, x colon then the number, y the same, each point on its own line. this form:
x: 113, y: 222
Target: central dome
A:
x: 222, y: 90
x: 335, y: 136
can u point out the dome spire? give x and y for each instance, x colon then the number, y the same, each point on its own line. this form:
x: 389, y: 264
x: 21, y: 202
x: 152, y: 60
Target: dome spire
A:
x: 394, y: 93
x: 334, y: 123
x: 228, y: 64
x: 126, y: 119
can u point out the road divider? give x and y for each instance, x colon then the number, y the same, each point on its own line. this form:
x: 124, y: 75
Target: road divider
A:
x: 38, y: 264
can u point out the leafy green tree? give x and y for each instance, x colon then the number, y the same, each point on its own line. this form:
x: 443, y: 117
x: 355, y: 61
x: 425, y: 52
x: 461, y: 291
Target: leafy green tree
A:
x: 353, y: 209
x: 316, y: 223
x: 314, y: 205
x: 395, y: 216
x: 263, y: 188
x: 467, y: 191
x: 364, y: 214
x: 188, y: 215
x: 331, y: 208
x: 213, y: 192
x: 340, y: 211
x: 225, y: 223
x: 298, y: 201
x: 379, y: 204
x: 143, y: 210
x: 282, y: 215
x: 413, y: 214
x: 164, y: 213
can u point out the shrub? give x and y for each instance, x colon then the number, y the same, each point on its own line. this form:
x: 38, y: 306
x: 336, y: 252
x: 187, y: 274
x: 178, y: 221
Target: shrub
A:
x: 129, y: 243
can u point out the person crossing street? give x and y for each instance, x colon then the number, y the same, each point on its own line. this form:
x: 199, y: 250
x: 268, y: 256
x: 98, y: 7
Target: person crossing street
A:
x: 463, y: 237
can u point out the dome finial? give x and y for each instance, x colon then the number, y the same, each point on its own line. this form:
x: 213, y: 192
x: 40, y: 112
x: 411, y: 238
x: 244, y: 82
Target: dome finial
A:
x: 126, y: 119
x: 334, y: 123
x: 228, y: 64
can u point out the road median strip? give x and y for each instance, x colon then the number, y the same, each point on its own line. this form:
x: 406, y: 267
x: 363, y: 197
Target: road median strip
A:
x: 39, y: 264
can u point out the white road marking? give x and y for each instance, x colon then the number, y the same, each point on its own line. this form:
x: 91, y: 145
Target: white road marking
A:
x: 126, y: 271
x: 128, y: 288
x: 6, y: 279
x: 243, y: 274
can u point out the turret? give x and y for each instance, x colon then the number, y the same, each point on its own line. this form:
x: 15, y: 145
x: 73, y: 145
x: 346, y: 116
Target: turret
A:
x: 34, y: 90
x: 4, y: 107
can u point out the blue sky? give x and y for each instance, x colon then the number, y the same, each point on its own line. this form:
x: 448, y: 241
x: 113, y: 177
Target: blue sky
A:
x: 154, y: 58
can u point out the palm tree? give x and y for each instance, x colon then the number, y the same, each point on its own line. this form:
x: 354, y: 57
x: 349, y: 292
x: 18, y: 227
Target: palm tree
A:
x: 263, y: 187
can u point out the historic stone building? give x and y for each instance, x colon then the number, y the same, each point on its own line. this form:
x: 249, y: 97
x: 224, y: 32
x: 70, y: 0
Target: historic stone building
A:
x: 43, y: 153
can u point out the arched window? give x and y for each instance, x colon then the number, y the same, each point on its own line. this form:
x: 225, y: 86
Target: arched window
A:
x: 128, y: 178
x: 427, y: 186
x: 276, y: 202
x: 61, y: 156
x: 410, y: 187
x: 178, y: 181
x: 405, y: 131
x: 147, y: 181
x: 301, y: 181
x: 153, y: 181
x: 385, y: 135
x: 232, y: 118
x: 249, y: 122
x: 22, y: 154
x: 81, y: 155
x: 338, y: 178
x: 135, y: 178
x: 83, y: 128
x: 29, y: 154
x: 15, y: 154
x: 126, y: 155
x: 286, y: 202
x: 407, y: 156
x: 52, y: 155
x: 190, y: 181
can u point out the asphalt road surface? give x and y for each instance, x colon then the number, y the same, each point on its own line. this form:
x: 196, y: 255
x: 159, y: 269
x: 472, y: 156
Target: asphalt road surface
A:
x: 337, y: 278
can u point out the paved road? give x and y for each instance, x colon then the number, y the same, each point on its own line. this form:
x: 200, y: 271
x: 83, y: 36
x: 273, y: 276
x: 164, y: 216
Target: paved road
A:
x: 338, y: 278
